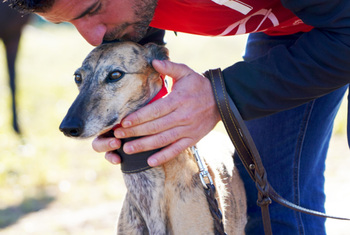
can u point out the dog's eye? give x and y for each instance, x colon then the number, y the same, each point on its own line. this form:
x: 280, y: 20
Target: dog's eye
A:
x: 115, y: 76
x: 77, y: 78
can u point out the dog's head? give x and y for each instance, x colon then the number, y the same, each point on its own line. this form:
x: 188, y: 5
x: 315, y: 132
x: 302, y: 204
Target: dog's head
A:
x: 114, y: 80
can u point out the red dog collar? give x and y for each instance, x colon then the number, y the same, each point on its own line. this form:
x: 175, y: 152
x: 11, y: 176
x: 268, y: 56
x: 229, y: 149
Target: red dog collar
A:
x: 162, y: 93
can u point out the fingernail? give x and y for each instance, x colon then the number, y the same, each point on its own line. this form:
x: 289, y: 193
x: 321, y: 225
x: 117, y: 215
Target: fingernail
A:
x: 108, y: 158
x: 119, y: 134
x: 114, y: 144
x: 129, y: 149
x: 114, y: 161
x: 126, y: 124
x: 152, y: 162
x: 161, y: 62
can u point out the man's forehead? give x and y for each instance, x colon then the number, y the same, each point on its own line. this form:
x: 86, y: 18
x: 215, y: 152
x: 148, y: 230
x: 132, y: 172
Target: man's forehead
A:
x: 68, y: 10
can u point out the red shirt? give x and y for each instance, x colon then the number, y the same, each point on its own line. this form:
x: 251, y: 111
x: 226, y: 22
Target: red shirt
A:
x: 227, y: 17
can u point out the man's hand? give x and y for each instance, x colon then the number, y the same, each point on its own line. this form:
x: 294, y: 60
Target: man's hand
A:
x: 175, y: 122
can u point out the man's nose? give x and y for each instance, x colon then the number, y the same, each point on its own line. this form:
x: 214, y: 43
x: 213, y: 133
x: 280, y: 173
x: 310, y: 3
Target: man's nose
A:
x: 92, y: 33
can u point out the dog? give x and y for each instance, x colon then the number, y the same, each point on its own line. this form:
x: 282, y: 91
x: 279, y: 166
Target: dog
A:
x: 11, y: 25
x: 116, y: 79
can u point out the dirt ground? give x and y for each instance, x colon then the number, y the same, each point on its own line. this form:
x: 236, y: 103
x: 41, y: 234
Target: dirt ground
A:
x: 100, y: 217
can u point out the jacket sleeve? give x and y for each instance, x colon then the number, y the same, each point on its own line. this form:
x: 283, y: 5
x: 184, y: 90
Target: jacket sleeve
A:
x: 317, y: 64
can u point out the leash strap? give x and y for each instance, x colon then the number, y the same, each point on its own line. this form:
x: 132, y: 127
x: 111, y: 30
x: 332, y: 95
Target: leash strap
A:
x: 214, y: 209
x: 210, y: 190
x: 248, y: 152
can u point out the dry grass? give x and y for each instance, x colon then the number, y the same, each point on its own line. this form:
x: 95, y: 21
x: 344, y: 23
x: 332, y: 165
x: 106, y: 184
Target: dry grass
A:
x: 50, y: 184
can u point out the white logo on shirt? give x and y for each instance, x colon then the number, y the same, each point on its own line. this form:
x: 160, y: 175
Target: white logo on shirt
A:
x: 235, y: 5
x: 242, y: 29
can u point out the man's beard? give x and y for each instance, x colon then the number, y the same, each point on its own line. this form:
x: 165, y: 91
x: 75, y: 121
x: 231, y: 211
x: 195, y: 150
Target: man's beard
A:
x: 144, y: 11
x: 139, y: 31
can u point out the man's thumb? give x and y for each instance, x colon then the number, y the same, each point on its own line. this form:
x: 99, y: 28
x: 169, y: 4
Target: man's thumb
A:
x: 171, y: 69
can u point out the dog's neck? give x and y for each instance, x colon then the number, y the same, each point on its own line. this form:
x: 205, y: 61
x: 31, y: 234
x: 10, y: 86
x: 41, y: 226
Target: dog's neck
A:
x: 138, y: 162
x: 161, y: 93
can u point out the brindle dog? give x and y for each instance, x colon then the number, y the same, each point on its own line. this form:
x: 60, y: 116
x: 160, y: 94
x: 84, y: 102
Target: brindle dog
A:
x: 117, y: 79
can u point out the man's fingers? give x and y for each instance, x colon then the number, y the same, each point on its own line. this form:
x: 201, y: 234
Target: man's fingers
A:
x: 152, y: 127
x: 152, y: 111
x: 153, y: 141
x: 169, y: 152
x: 112, y: 158
x: 171, y: 69
x: 104, y: 144
x: 173, y: 123
x: 101, y: 144
x: 160, y: 107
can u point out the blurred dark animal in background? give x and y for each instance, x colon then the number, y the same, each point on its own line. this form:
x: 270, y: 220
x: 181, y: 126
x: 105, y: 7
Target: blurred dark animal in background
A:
x: 11, y: 24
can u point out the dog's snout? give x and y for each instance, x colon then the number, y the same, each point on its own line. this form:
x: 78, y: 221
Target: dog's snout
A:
x: 72, y: 127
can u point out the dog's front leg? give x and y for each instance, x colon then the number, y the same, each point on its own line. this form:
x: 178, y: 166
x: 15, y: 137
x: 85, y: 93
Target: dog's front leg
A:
x: 144, y: 206
x: 130, y: 221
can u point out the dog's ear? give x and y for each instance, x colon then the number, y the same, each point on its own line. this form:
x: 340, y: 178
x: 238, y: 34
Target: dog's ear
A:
x: 156, y: 52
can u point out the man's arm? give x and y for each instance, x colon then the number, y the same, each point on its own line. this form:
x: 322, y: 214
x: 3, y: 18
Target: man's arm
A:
x: 318, y: 63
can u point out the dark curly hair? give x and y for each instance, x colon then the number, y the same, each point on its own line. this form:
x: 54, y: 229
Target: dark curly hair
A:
x: 28, y: 6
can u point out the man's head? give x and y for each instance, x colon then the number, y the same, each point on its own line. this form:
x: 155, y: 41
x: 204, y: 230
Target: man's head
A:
x: 96, y: 20
x: 28, y: 6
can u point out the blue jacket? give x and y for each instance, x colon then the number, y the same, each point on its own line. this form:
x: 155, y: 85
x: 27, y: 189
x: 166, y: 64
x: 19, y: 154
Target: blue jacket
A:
x: 318, y: 63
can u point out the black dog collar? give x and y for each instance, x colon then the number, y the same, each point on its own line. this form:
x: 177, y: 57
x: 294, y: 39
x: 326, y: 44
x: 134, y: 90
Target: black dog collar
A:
x: 133, y: 163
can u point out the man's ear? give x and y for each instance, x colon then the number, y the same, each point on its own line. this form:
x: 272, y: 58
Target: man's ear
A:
x: 156, y: 52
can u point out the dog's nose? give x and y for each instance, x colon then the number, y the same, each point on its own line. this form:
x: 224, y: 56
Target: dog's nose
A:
x: 72, y: 127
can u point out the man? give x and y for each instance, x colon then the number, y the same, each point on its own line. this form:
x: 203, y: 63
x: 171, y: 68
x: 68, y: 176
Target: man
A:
x: 294, y: 75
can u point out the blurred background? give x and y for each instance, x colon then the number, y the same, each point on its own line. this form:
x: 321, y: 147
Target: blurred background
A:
x: 50, y: 184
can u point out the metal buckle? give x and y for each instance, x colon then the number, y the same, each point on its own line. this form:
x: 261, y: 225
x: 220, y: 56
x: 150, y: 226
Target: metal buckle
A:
x: 203, y: 170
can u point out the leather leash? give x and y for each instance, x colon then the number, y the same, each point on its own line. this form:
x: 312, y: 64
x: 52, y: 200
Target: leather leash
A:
x: 249, y: 154
x: 209, y: 190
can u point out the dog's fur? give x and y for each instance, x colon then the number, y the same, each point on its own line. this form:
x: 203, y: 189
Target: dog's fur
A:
x: 168, y: 199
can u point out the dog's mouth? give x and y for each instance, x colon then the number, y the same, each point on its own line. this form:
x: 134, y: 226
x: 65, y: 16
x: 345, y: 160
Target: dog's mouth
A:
x: 109, y: 128
x: 107, y: 133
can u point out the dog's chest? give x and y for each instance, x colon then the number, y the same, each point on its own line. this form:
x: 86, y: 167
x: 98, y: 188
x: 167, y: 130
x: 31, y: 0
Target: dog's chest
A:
x: 145, y: 188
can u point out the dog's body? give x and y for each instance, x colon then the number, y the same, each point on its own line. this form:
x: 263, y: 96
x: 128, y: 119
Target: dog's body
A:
x: 118, y: 79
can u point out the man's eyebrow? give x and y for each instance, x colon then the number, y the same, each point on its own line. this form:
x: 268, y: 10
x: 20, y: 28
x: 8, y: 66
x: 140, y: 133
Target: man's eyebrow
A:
x: 87, y: 11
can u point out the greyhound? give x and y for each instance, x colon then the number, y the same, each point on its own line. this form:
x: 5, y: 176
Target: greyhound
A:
x: 116, y: 79
x: 11, y: 24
